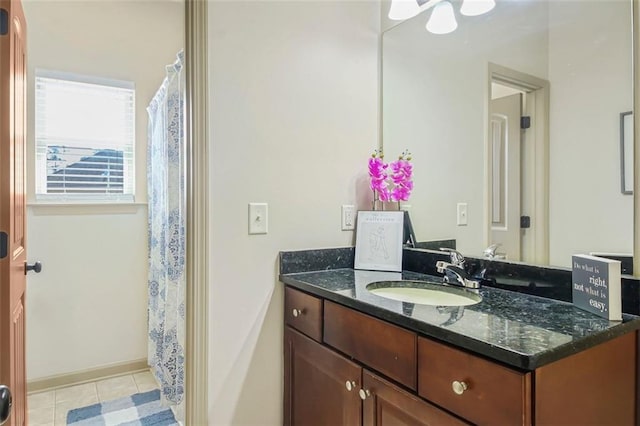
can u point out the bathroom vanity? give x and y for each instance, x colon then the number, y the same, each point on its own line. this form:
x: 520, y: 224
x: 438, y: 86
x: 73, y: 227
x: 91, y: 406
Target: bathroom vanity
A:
x: 352, y: 357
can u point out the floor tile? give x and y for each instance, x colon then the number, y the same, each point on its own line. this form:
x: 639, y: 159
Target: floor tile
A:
x: 62, y: 408
x: 77, y: 392
x: 116, y: 387
x: 41, y: 416
x: 145, y: 381
x: 41, y: 400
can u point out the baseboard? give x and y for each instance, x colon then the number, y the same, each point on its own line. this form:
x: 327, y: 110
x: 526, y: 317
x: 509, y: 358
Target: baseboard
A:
x: 89, y: 375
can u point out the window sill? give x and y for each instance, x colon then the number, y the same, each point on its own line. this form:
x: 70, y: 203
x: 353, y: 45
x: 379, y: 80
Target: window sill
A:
x: 47, y: 208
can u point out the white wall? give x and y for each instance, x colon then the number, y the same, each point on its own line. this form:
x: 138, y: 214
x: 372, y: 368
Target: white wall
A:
x: 589, y: 66
x: 294, y: 112
x: 87, y: 309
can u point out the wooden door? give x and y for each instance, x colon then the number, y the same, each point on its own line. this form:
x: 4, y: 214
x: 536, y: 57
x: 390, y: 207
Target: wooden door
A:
x: 315, y: 384
x: 12, y: 205
x: 388, y: 405
x: 504, y: 174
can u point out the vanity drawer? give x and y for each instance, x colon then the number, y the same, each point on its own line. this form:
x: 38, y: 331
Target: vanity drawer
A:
x: 303, y: 312
x: 494, y: 394
x: 382, y: 346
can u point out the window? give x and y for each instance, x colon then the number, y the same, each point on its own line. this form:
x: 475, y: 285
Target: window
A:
x: 85, y: 130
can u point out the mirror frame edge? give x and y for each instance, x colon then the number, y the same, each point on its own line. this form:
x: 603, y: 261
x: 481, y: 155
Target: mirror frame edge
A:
x: 635, y: 5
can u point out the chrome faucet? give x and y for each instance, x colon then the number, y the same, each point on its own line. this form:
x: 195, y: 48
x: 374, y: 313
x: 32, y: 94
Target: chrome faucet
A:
x: 459, y: 275
x: 490, y: 252
x: 457, y: 259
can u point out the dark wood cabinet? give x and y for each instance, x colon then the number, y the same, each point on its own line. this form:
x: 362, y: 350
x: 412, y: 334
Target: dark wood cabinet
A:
x: 316, y: 384
x: 487, y: 393
x: 325, y: 388
x: 594, y: 387
x: 303, y: 312
x: 389, y: 405
x: 377, y: 344
x: 343, y: 367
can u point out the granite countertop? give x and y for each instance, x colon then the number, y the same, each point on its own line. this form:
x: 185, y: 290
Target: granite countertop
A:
x: 520, y: 330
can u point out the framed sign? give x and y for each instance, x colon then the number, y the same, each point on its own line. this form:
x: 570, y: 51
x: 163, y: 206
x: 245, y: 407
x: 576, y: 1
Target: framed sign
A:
x: 379, y: 238
x: 597, y: 286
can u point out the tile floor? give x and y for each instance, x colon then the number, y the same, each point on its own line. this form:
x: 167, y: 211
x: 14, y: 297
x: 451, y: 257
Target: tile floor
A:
x: 49, y: 408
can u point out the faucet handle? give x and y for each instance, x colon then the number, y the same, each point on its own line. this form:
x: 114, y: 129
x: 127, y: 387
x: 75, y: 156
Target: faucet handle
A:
x: 457, y: 259
x: 441, y: 265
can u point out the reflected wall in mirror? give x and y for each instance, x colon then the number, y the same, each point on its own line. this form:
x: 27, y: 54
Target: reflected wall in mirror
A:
x: 571, y: 63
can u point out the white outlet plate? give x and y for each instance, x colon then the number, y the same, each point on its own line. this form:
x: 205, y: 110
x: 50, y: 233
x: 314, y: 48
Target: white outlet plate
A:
x: 462, y: 214
x: 258, y: 218
x: 348, y: 217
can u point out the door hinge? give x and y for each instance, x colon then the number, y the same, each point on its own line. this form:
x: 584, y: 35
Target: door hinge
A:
x: 525, y: 122
x: 525, y: 222
x: 4, y: 245
x: 4, y: 22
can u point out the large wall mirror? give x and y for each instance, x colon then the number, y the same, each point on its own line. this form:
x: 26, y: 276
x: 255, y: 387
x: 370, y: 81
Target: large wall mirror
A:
x: 456, y: 100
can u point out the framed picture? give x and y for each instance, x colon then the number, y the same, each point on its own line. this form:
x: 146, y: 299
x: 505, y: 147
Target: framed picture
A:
x: 379, y: 238
x: 626, y: 152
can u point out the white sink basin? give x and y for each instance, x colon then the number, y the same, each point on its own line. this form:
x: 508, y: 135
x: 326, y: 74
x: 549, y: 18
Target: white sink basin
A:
x: 424, y: 293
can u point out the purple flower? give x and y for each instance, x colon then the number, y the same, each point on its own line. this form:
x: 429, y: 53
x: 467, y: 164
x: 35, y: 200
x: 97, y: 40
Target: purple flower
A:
x: 394, y: 184
x: 384, y: 194
x: 401, y: 171
x: 378, y: 173
x: 401, y: 174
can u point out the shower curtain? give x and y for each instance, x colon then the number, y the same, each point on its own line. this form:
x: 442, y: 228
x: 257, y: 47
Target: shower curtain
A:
x: 167, y: 215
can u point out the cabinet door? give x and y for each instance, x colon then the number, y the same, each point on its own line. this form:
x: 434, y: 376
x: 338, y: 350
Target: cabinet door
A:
x: 315, y: 384
x: 388, y: 405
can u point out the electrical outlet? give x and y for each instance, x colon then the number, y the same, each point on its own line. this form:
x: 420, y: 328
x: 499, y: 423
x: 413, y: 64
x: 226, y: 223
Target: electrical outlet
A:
x: 348, y: 217
x: 258, y: 218
x: 462, y: 214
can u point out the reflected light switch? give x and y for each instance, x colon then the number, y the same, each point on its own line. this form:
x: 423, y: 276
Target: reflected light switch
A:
x: 462, y: 214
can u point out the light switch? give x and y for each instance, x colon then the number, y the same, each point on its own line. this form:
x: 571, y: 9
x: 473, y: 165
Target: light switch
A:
x: 258, y: 218
x: 462, y: 214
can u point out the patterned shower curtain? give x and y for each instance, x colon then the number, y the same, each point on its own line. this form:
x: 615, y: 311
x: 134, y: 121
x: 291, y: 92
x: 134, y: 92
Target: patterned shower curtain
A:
x: 167, y: 215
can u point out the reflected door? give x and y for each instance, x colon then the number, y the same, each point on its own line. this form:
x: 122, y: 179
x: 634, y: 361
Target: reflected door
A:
x: 12, y: 205
x: 504, y: 174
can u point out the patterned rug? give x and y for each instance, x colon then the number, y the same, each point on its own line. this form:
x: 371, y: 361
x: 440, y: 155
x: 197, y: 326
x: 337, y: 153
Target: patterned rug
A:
x: 141, y: 409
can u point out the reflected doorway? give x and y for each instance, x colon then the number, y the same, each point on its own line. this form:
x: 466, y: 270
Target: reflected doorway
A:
x: 516, y: 165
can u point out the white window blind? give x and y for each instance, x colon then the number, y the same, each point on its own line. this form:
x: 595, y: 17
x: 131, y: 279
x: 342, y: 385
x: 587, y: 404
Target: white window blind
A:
x: 85, y: 130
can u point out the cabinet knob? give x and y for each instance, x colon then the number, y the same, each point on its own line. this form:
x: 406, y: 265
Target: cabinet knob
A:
x: 459, y: 387
x: 297, y: 312
x: 364, y: 394
x: 350, y: 385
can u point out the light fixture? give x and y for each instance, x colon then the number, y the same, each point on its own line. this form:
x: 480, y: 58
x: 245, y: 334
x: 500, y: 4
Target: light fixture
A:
x: 476, y: 7
x: 442, y: 20
x: 403, y: 9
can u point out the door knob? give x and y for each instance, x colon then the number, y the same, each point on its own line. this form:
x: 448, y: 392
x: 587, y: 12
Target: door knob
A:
x: 5, y: 403
x: 36, y: 267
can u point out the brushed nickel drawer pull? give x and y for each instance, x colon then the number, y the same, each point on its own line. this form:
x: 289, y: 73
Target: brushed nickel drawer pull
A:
x: 351, y: 385
x: 364, y: 394
x: 459, y: 387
